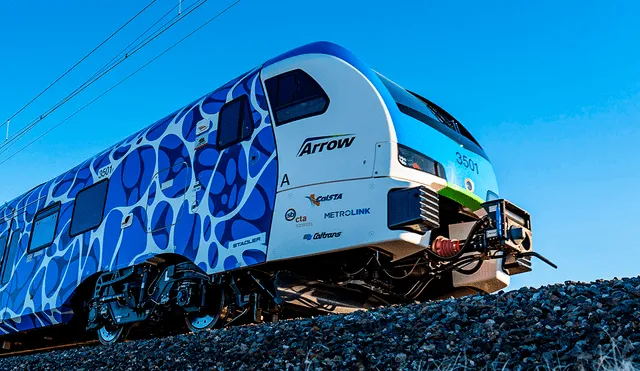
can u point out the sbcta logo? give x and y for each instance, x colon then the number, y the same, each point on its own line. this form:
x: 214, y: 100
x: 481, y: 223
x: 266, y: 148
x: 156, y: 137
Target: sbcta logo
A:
x: 300, y: 220
x: 290, y: 215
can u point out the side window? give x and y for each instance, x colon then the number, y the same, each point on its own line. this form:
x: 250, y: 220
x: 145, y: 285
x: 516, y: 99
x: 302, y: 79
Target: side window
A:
x: 3, y: 239
x: 89, y: 208
x: 9, y: 257
x: 295, y: 95
x: 3, y: 244
x: 44, y: 228
x: 235, y: 122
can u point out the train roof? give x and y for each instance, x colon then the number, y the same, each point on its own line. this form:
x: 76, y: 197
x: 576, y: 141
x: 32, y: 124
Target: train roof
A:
x: 320, y: 47
x: 329, y: 48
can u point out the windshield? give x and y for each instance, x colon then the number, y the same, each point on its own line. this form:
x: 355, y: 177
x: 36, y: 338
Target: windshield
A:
x: 426, y: 111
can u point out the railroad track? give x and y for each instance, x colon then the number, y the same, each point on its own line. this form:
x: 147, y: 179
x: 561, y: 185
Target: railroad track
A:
x: 25, y: 352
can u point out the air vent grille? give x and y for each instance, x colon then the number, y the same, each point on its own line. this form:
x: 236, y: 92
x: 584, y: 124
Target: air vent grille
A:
x: 414, y: 209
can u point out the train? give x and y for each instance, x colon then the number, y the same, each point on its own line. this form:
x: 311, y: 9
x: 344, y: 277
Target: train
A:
x: 310, y: 184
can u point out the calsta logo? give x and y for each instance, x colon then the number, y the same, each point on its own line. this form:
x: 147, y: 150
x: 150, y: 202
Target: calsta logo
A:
x: 316, y: 200
x: 326, y: 143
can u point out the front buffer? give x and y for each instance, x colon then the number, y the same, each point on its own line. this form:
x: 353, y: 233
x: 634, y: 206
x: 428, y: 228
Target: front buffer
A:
x: 481, y: 253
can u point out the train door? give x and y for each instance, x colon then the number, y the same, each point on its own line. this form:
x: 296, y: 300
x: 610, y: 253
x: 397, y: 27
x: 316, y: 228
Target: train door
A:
x: 324, y: 124
x: 11, y: 252
x: 166, y: 201
x: 5, y: 234
x: 242, y: 189
x: 9, y: 246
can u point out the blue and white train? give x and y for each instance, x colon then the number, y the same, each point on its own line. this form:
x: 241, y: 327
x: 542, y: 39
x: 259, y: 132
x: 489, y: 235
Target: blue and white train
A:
x: 311, y: 182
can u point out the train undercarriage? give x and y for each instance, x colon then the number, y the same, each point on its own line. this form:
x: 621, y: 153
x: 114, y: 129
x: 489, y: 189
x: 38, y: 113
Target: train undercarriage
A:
x: 164, y: 290
x: 168, y: 293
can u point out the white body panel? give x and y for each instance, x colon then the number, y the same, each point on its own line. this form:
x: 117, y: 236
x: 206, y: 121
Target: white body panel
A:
x: 334, y: 197
x: 354, y: 214
x: 344, y: 118
x: 353, y: 180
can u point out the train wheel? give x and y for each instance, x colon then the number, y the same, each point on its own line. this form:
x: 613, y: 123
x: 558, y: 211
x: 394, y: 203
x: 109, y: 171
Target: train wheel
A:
x: 109, y: 335
x: 209, y: 316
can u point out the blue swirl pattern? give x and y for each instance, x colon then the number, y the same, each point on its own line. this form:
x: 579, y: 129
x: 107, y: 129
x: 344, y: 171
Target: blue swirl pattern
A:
x: 181, y: 200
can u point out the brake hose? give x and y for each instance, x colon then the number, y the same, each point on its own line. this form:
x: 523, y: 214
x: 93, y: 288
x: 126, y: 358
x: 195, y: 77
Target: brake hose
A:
x: 464, y: 246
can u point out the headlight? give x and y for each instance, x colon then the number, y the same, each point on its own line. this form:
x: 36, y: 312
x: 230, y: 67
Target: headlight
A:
x: 418, y: 161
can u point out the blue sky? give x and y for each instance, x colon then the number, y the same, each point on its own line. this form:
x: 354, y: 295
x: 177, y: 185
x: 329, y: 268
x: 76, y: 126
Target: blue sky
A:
x: 550, y: 89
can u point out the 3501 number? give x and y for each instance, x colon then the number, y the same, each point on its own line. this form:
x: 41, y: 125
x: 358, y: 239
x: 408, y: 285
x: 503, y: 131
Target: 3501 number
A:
x: 105, y: 172
x: 468, y: 163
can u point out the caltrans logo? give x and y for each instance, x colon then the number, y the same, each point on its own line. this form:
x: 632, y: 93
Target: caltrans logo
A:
x: 321, y: 235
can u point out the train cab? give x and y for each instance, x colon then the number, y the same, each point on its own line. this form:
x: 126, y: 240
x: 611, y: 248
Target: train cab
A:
x: 363, y: 162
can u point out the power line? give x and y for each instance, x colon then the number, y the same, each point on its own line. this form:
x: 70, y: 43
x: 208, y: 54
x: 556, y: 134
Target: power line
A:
x: 124, y: 50
x: 20, y: 134
x: 122, y: 81
x: 11, y: 140
x: 77, y: 63
x: 17, y: 136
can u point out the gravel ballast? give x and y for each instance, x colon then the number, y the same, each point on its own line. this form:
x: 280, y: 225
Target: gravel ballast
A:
x: 568, y: 325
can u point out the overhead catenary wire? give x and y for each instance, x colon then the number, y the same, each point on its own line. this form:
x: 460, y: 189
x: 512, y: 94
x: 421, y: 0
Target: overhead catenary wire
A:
x: 122, y: 81
x: 77, y: 64
x: 17, y: 136
x: 126, y: 48
x: 20, y: 134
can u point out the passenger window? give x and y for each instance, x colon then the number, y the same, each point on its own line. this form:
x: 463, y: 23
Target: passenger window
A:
x: 3, y: 239
x: 10, y: 257
x: 44, y: 228
x: 295, y: 95
x: 3, y: 244
x: 89, y: 208
x: 235, y: 122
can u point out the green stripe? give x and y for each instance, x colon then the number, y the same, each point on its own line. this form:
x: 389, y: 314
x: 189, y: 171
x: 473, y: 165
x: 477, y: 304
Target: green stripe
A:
x: 462, y: 196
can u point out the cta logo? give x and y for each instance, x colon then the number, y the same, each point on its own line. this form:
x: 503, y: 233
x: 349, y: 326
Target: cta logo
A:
x: 301, y: 220
x: 326, y: 143
x: 345, y: 213
x: 321, y: 235
x: 317, y: 200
